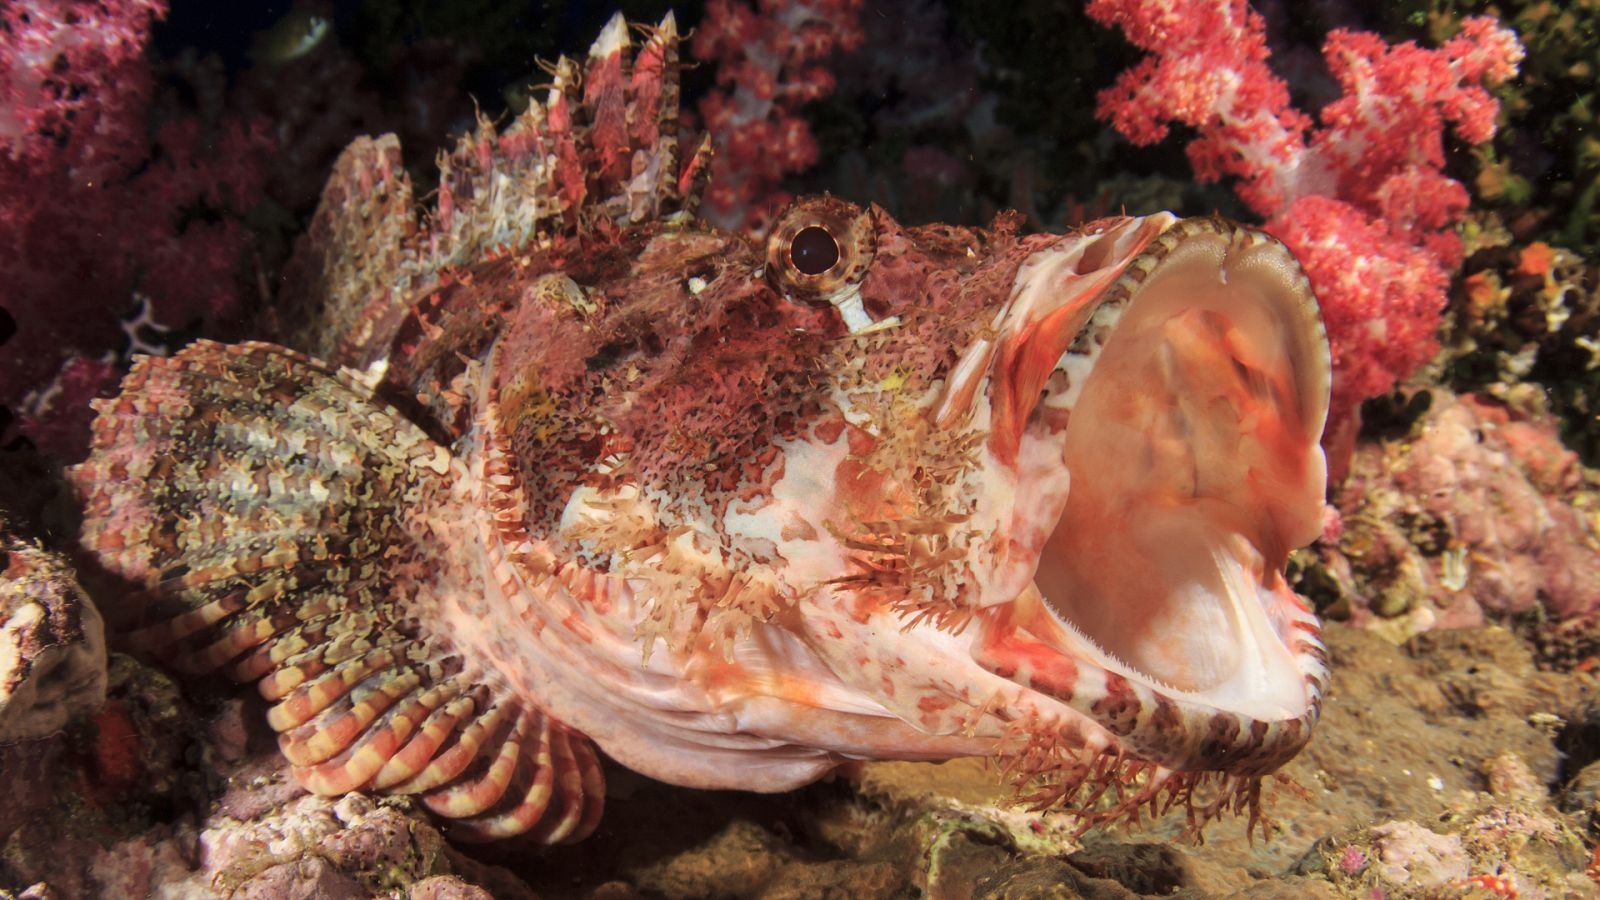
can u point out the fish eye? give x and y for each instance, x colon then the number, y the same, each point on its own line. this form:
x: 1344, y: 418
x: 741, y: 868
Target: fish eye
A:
x: 819, y: 248
x: 814, y: 250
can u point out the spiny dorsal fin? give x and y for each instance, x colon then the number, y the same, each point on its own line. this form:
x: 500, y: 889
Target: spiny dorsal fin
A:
x: 278, y: 523
x: 598, y: 153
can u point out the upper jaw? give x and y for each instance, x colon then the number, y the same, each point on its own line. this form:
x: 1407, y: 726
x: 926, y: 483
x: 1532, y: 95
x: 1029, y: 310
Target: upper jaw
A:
x: 1053, y: 294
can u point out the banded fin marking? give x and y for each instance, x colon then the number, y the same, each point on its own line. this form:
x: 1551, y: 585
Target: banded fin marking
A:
x: 311, y: 698
x: 489, y: 775
x: 576, y: 808
x: 277, y: 523
x: 455, y: 756
x: 555, y: 793
x: 435, y: 729
x: 348, y: 718
x: 526, y: 799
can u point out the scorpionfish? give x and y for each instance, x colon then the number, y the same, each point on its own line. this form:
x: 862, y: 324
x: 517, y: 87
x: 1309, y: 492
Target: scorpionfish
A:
x: 557, y: 469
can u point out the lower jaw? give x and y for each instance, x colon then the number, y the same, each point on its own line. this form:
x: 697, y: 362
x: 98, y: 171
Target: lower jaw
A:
x: 1092, y: 712
x: 1266, y: 681
x: 1216, y: 635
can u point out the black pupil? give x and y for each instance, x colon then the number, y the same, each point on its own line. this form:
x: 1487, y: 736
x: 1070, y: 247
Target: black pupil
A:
x: 814, y: 250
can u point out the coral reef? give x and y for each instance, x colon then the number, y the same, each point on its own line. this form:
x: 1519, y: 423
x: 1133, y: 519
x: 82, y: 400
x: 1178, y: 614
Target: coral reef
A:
x: 1543, y: 168
x: 768, y: 68
x: 1524, y: 327
x: 1363, y: 199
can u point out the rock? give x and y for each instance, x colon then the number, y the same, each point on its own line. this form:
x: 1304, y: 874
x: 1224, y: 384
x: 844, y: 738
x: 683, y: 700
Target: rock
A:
x: 1479, y: 508
x: 27, y: 780
x: 52, y: 642
x: 1405, y: 853
x: 1159, y: 869
x: 447, y: 887
x: 1582, y: 795
x: 842, y: 880
x: 501, y: 883
x: 1046, y: 879
x: 159, y: 796
x: 304, y: 879
x: 737, y: 862
x: 1511, y: 781
x: 40, y: 891
x: 1505, y: 849
x: 258, y: 786
x: 312, y: 847
x: 1287, y: 889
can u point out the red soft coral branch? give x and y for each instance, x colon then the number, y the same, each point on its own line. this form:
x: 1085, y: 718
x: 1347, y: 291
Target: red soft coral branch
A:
x: 70, y: 72
x: 1362, y: 199
x: 93, y: 208
x: 767, y: 70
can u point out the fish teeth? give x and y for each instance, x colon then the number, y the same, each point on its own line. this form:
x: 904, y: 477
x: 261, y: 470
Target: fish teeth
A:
x: 1118, y: 664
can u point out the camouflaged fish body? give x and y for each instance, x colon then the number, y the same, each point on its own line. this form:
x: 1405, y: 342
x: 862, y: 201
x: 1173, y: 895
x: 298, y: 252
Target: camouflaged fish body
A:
x: 580, y: 471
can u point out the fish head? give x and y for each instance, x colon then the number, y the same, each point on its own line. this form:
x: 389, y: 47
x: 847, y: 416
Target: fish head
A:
x: 936, y: 488
x: 1088, y: 457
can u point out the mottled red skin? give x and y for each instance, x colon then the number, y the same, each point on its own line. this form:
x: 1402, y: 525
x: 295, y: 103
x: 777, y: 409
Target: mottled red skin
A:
x: 692, y: 386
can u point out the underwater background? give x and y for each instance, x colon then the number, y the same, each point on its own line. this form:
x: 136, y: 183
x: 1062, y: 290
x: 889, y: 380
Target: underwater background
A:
x: 1435, y: 165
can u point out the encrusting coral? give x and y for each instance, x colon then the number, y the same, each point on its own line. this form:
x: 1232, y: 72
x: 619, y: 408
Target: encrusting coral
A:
x: 1476, y: 510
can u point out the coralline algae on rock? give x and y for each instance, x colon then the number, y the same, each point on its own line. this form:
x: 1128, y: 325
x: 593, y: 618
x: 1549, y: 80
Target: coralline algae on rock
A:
x: 1479, y: 508
x: 1405, y: 853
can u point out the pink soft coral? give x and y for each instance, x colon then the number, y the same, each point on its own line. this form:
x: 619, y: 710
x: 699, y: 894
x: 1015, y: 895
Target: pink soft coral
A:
x: 768, y: 69
x: 93, y: 209
x: 1362, y: 200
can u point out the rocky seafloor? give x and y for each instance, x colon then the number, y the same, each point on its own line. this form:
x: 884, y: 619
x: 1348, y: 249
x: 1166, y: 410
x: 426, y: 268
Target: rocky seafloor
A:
x: 1449, y: 766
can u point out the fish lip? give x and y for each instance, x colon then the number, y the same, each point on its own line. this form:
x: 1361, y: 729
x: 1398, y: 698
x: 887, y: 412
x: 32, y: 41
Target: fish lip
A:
x: 1064, y: 277
x: 1270, y: 734
x: 1050, y: 308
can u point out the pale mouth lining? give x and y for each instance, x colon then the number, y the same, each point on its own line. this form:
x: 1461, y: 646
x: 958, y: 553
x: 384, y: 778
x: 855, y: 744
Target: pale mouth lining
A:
x: 1195, y: 468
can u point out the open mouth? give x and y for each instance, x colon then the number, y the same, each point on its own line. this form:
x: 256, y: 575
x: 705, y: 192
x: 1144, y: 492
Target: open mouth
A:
x: 1192, y: 448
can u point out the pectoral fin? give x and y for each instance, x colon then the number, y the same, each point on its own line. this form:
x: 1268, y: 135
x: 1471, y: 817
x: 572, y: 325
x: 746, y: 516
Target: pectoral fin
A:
x: 277, y: 523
